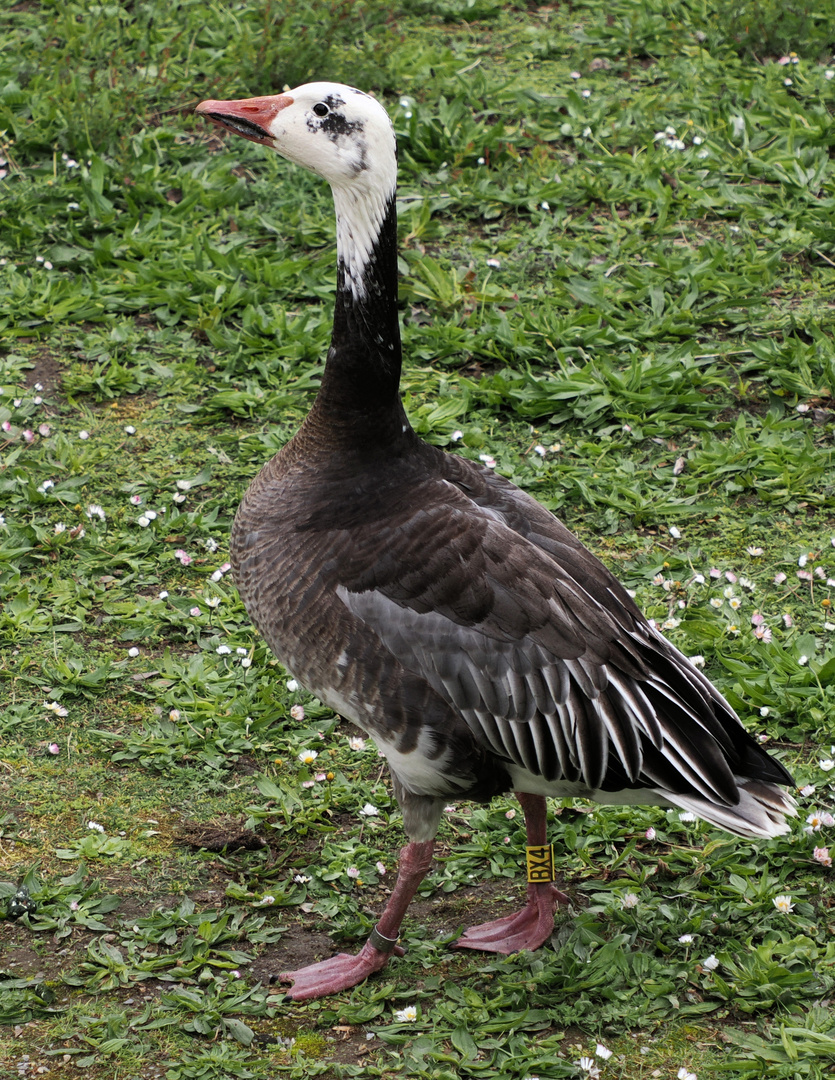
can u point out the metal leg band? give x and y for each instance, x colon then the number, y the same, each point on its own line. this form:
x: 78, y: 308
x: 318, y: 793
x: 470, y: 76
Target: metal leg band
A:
x: 380, y: 943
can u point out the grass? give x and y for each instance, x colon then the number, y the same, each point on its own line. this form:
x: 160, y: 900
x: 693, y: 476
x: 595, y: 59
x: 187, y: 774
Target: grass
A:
x: 620, y: 287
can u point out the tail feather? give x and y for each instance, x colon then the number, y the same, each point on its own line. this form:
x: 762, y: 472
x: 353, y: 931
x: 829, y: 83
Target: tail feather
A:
x: 760, y: 813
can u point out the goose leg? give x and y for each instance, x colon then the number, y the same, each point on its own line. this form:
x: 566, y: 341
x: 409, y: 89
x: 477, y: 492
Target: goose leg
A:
x: 534, y: 924
x: 344, y: 971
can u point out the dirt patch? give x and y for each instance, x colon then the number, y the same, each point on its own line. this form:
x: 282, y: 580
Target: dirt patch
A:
x: 32, y: 955
x: 226, y: 835
x: 23, y: 962
x: 47, y: 372
x: 299, y: 947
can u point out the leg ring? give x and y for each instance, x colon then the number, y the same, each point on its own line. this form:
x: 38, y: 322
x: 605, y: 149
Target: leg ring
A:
x: 381, y: 943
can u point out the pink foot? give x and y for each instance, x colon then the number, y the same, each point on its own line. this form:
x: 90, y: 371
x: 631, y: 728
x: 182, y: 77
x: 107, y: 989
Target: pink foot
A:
x: 525, y: 929
x: 341, y: 972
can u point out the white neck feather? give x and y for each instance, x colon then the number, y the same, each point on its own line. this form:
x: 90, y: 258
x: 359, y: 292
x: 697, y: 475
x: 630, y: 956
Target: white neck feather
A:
x: 359, y: 221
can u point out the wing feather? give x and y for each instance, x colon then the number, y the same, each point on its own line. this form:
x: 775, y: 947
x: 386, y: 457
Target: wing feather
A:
x: 523, y: 734
x: 538, y: 691
x: 509, y: 733
x: 494, y: 692
x: 462, y: 688
x: 547, y: 757
x: 557, y: 680
x: 623, y: 734
x: 542, y: 652
x: 567, y: 764
x: 637, y: 708
x: 592, y: 744
x: 523, y: 702
x: 490, y: 730
x: 590, y: 678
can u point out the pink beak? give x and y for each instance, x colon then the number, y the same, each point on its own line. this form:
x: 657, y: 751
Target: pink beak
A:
x: 250, y: 117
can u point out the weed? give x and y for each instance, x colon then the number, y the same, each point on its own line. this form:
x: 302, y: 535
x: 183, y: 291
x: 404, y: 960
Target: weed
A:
x: 616, y: 256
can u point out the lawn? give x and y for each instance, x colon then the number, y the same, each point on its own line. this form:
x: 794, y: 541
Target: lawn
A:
x: 618, y: 286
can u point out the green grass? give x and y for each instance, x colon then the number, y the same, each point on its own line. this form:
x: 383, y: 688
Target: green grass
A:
x: 619, y: 286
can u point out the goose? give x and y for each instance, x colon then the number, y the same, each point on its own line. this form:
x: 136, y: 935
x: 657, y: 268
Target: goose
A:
x: 442, y: 609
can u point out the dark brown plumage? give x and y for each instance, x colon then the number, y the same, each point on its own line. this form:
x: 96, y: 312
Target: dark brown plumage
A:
x: 442, y: 609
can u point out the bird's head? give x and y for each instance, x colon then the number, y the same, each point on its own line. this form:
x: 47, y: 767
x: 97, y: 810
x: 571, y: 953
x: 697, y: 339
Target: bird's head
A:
x: 334, y: 130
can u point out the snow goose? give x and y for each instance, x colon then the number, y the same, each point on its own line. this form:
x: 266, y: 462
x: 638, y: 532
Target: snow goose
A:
x: 443, y: 610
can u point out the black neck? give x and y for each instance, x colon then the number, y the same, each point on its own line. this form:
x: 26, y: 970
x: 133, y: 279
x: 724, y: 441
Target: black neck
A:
x: 361, y: 381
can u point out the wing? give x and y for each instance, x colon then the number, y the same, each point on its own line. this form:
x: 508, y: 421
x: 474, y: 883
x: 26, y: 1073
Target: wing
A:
x: 477, y: 589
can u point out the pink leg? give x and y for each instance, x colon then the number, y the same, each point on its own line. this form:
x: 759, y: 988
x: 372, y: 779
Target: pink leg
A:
x: 344, y: 971
x: 534, y: 924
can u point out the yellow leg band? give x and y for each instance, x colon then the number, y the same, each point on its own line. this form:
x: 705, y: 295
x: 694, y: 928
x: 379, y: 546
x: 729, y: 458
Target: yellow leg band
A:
x: 540, y: 862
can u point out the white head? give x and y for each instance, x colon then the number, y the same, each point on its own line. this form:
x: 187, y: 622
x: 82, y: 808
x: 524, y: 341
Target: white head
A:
x: 338, y: 132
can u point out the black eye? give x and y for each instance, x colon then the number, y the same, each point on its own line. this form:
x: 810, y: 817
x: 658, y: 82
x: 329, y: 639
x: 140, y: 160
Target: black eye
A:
x: 321, y: 109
